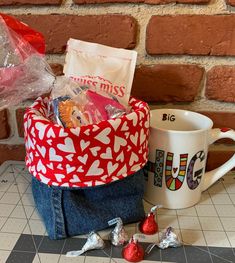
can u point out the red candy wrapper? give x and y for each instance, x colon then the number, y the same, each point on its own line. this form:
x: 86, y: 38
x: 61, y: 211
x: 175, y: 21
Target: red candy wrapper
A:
x: 133, y: 251
x: 149, y: 225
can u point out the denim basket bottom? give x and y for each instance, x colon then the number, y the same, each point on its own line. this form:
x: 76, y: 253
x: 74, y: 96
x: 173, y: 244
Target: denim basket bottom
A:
x: 70, y: 212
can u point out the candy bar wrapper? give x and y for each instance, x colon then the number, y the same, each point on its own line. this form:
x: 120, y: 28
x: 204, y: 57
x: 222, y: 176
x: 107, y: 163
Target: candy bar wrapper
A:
x: 94, y: 241
x: 118, y: 236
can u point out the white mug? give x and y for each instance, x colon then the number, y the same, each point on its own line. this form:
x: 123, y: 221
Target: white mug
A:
x: 178, y: 148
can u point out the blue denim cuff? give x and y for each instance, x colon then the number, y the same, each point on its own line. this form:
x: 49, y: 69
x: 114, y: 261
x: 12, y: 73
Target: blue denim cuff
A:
x: 69, y: 212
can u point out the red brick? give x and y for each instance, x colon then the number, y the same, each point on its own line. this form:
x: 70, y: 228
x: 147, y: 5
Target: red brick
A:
x: 112, y: 30
x: 154, y: 2
x: 221, y: 120
x: 221, y: 83
x: 30, y: 2
x: 167, y: 83
x: 177, y: 1
x: 191, y: 34
x: 230, y: 2
x: 217, y: 158
x: 12, y: 152
x: 57, y: 69
x: 4, y: 126
x: 20, y: 121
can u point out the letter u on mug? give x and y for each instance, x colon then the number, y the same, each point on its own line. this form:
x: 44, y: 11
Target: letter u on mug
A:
x: 178, y: 148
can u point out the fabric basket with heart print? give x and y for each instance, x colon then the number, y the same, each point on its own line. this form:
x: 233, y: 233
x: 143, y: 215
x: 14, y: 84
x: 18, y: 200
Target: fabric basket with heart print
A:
x: 87, y: 156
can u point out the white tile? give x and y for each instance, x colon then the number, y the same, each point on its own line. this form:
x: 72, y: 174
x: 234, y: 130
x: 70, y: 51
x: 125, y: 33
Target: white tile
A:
x: 7, y: 177
x: 90, y: 259
x: 231, y: 237
x: 205, y: 199
x: 118, y: 260
x: 225, y: 210
x: 104, y: 234
x: 148, y: 238
x: 210, y: 223
x: 36, y: 227
x: 2, y: 221
x: 20, y: 178
x: 217, y: 188
x: 8, y: 240
x: 4, y: 255
x: 228, y: 223
x: 230, y: 188
x: 216, y: 239
x: 27, y: 199
x: 187, y: 212
x: 64, y: 259
x: 165, y: 221
x: 206, y: 210
x: 189, y: 222
x: 14, y: 225
x: 4, y: 186
x: 232, y: 197
x: 164, y: 211
x: 29, y: 190
x: 22, y: 211
x: 36, y: 215
x: 10, y: 198
x: 229, y: 178
x: 1, y: 194
x: 193, y: 237
x: 18, y: 188
x: 46, y: 258
x: 221, y: 199
x: 5, y: 210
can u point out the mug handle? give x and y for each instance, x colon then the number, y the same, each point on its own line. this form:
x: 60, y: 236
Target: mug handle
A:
x: 212, y: 176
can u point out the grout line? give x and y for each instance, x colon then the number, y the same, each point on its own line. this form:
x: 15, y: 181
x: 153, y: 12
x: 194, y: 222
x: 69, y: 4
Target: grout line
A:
x: 181, y: 237
x: 27, y: 219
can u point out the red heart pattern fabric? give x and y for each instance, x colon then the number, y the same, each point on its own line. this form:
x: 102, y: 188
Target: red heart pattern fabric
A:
x: 87, y: 156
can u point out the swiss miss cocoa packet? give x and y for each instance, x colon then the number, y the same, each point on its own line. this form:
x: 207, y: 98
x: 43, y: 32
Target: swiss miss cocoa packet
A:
x: 101, y: 68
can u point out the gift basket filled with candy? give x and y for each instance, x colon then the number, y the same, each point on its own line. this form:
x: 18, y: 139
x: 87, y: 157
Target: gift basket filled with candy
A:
x: 87, y: 141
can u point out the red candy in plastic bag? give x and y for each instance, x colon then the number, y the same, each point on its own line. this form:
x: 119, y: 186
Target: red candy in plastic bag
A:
x: 23, y: 71
x: 34, y: 38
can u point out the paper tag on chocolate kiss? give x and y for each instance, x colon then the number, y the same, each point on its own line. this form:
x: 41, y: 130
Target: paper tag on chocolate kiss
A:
x: 139, y: 237
x: 114, y: 221
x: 154, y: 208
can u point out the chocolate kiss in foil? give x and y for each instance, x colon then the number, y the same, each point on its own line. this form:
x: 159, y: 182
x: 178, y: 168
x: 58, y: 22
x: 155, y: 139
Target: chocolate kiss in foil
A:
x: 94, y: 241
x: 118, y: 236
x: 169, y: 239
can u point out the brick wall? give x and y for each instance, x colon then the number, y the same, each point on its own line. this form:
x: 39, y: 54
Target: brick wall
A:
x: 185, y: 51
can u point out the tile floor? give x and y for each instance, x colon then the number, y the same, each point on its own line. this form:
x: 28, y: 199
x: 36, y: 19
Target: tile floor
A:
x: 207, y: 230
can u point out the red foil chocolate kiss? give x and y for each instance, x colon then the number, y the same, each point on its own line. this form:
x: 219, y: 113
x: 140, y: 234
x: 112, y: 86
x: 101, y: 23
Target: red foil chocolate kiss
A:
x: 149, y: 225
x: 133, y: 251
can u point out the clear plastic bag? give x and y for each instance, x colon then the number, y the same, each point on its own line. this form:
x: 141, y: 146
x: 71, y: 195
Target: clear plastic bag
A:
x: 75, y: 106
x: 24, y: 73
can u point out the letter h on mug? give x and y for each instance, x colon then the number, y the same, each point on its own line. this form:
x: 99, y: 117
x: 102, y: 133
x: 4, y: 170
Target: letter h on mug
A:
x: 178, y: 148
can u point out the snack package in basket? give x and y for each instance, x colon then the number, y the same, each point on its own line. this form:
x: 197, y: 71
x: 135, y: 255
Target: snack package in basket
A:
x: 103, y: 69
x: 24, y: 73
x: 75, y: 106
